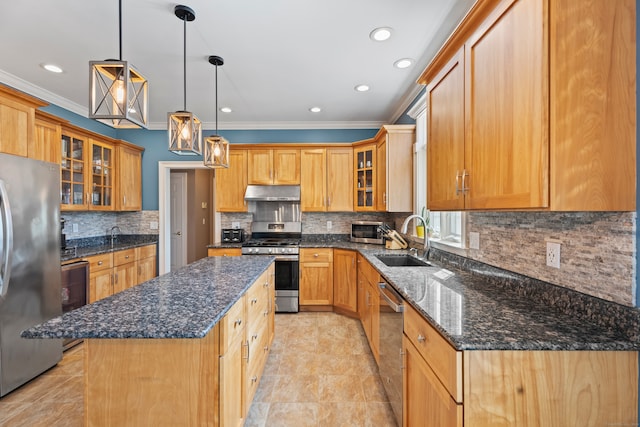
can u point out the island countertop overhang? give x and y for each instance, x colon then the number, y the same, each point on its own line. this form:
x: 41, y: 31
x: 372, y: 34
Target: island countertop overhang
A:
x: 185, y: 303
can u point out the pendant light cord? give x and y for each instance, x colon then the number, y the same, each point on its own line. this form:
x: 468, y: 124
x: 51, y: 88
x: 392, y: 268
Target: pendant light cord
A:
x: 184, y: 62
x: 120, y: 27
x: 216, y: 100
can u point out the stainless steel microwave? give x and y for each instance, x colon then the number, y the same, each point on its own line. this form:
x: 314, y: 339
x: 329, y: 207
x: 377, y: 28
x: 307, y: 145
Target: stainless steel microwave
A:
x: 367, y: 232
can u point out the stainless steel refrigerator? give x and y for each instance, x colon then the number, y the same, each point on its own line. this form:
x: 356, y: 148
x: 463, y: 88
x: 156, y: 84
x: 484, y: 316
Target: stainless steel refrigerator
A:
x: 29, y: 266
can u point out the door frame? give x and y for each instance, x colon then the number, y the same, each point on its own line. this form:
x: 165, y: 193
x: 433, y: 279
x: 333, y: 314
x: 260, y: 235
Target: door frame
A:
x: 164, y: 208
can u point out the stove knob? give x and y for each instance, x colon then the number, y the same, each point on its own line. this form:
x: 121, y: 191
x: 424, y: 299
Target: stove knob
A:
x: 270, y: 250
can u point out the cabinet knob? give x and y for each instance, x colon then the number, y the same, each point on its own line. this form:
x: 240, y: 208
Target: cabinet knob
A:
x: 126, y: 257
x: 421, y: 338
x: 315, y: 255
x: 253, y: 301
x: 238, y: 322
x: 99, y: 262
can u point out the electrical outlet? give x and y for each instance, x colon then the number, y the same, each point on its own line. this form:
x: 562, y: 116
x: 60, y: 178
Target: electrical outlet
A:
x: 153, y: 225
x: 553, y: 254
x: 474, y: 240
x: 235, y: 224
x: 74, y: 227
x: 329, y: 225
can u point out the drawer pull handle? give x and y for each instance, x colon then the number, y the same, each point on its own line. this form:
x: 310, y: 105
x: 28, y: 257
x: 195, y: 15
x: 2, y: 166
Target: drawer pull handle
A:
x: 254, y: 379
x: 238, y: 322
x: 99, y: 262
x: 266, y: 348
x: 253, y: 301
x: 254, y: 337
x: 421, y: 338
x: 266, y: 313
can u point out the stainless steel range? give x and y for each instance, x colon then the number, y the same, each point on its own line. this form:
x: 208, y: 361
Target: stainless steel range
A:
x: 276, y: 230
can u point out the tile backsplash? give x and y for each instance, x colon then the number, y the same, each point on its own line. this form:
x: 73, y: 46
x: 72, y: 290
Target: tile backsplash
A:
x: 93, y: 224
x: 597, y: 255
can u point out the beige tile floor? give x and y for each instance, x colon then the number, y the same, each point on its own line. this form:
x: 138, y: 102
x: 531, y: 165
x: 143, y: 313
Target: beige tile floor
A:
x: 320, y: 373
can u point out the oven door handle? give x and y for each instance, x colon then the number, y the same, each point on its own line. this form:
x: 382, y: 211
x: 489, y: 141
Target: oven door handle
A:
x: 389, y: 296
x: 287, y: 257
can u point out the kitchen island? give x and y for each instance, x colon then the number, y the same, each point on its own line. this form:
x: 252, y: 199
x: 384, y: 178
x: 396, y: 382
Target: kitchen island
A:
x: 154, y: 351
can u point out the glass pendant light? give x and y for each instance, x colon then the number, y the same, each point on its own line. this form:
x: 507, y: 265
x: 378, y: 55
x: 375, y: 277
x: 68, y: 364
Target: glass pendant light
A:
x: 185, y: 130
x: 216, y: 148
x: 117, y: 92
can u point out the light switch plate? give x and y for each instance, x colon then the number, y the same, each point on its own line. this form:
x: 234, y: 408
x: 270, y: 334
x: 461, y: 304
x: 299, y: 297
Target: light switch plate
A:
x: 153, y: 225
x: 474, y: 240
x: 235, y: 224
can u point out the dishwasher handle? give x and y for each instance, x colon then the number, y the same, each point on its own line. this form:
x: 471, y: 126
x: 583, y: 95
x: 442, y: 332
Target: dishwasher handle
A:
x: 391, y: 297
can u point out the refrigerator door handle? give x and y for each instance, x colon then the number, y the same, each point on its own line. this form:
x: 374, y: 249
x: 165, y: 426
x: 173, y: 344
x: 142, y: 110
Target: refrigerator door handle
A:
x: 7, y: 244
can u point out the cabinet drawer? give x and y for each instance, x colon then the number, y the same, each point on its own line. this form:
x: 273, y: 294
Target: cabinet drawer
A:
x: 232, y: 325
x: 366, y: 270
x: 316, y: 255
x: 145, y: 251
x: 224, y: 252
x: 442, y: 358
x: 100, y: 262
x: 124, y: 257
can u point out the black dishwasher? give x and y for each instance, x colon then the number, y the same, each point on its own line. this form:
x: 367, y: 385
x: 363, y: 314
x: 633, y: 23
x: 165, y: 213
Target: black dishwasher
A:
x: 390, y: 352
x: 74, y: 291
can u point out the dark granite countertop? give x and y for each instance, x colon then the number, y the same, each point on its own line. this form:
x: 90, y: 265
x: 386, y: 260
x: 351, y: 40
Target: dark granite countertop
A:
x: 81, y: 248
x: 185, y: 303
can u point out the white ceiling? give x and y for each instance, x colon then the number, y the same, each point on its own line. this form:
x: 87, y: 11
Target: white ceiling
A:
x: 281, y: 56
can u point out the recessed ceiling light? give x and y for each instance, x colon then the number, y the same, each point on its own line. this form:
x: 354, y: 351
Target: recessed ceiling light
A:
x: 226, y: 109
x: 51, y: 67
x: 362, y: 88
x: 315, y: 109
x: 380, y: 34
x: 403, y: 63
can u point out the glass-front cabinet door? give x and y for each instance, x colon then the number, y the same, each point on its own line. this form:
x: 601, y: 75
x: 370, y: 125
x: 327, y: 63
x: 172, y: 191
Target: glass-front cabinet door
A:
x: 101, y: 183
x: 72, y: 173
x: 365, y: 177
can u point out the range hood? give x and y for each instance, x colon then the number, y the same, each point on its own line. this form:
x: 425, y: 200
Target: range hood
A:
x: 273, y: 193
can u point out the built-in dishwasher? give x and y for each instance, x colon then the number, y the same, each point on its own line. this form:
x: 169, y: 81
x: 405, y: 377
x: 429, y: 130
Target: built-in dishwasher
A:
x: 390, y: 351
x: 74, y: 291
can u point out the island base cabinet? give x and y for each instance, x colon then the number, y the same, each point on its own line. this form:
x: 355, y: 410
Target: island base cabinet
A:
x: 551, y: 388
x: 136, y: 382
x: 426, y: 402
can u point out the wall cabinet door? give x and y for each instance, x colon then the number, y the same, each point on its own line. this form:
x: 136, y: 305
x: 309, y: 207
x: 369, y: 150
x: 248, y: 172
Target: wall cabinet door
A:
x: 445, y: 143
x: 421, y: 385
x: 345, y: 286
x: 129, y: 182
x: 231, y: 183
x: 16, y: 127
x: 74, y: 149
x: 101, y: 176
x: 506, y: 109
x: 365, y: 177
x: 46, y: 143
x: 313, y: 178
x: 339, y: 179
x: 381, y: 174
x: 273, y: 166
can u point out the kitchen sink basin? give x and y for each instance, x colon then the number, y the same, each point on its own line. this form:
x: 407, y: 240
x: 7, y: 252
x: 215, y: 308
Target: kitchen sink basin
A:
x: 402, y: 260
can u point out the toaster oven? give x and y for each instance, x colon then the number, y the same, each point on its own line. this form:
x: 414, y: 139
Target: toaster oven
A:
x: 232, y: 235
x: 367, y: 232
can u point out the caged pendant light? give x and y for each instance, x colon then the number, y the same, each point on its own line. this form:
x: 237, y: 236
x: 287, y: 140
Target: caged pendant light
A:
x: 216, y: 147
x: 117, y: 92
x: 185, y: 130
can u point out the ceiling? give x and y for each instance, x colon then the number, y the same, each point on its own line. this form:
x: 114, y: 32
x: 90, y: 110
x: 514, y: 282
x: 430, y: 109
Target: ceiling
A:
x: 281, y: 57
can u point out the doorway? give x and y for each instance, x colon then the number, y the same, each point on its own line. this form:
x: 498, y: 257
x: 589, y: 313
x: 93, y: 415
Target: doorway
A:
x: 198, y: 210
x: 178, y: 222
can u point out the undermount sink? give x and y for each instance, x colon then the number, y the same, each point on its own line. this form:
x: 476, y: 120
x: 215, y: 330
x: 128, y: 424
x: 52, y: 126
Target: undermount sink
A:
x: 402, y: 260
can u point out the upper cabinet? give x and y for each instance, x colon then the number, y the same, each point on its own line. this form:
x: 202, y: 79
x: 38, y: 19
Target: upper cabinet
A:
x: 394, y: 172
x: 129, y: 177
x: 231, y: 183
x: 273, y: 166
x: 17, y: 121
x: 326, y: 179
x: 46, y: 142
x: 364, y: 159
x: 525, y: 103
x: 74, y: 151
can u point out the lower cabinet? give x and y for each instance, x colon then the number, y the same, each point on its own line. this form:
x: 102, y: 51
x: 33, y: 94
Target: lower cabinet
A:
x: 114, y: 272
x: 369, y: 303
x: 316, y: 277
x: 224, y: 252
x: 345, y: 288
x: 448, y: 388
x: 246, y: 334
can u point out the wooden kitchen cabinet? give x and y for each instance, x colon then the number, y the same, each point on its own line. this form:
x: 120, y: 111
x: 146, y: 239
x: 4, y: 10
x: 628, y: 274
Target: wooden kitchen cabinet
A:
x: 125, y: 272
x: 231, y: 183
x: 345, y: 286
x: 369, y: 304
x: 224, y: 251
x: 17, y: 121
x: 100, y: 276
x: 326, y: 179
x: 101, y: 175
x: 273, y: 166
x: 128, y: 187
x: 232, y: 365
x: 73, y: 169
x: 316, y: 277
x: 146, y: 261
x: 364, y: 159
x: 394, y: 168
x: 519, y: 75
x: 46, y: 143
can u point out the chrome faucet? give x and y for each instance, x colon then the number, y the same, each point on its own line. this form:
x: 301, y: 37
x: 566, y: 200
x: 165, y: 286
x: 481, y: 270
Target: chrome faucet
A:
x: 114, y: 234
x: 405, y: 225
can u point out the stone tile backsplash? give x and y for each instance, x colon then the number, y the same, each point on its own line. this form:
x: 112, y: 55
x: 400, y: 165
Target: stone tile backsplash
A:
x: 93, y: 224
x: 597, y: 255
